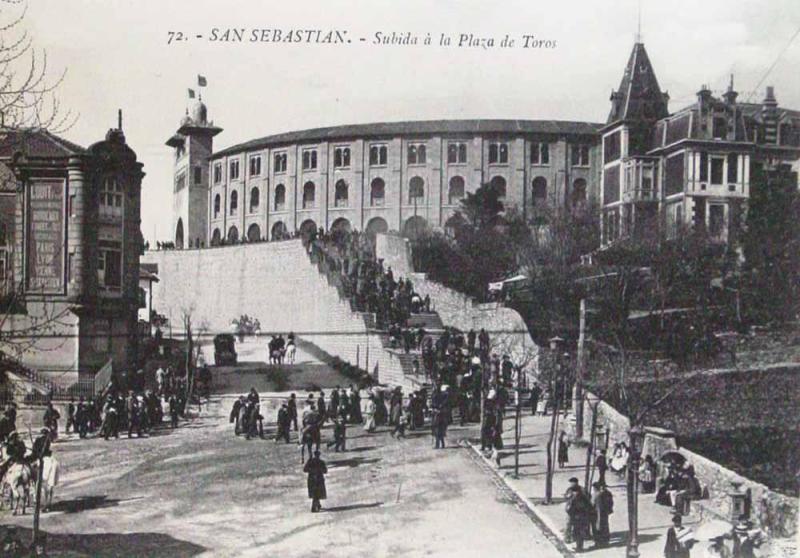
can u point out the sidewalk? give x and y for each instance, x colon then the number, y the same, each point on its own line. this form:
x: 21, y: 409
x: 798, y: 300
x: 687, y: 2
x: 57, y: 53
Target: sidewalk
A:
x: 654, y: 519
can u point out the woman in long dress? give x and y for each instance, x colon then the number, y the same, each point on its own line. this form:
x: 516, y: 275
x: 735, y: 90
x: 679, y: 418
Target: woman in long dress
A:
x: 563, y: 449
x: 316, y: 469
x: 369, y: 415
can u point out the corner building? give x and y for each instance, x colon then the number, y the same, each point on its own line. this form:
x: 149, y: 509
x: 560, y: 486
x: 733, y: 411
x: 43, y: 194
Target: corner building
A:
x: 69, y: 252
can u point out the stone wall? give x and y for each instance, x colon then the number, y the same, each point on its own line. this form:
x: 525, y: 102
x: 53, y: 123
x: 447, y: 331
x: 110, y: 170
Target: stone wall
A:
x: 274, y: 282
x: 776, y: 513
x: 507, y: 329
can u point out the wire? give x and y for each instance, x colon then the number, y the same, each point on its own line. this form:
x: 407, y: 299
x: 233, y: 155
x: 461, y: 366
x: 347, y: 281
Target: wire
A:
x: 775, y: 63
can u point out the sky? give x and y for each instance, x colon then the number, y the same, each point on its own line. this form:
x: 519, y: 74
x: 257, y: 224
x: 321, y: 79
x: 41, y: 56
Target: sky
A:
x: 116, y: 55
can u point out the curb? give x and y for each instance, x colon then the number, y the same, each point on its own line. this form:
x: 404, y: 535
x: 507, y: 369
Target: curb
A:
x: 548, y: 527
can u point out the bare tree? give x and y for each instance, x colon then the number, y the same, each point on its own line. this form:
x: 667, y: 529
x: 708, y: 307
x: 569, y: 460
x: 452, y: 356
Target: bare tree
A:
x: 28, y: 97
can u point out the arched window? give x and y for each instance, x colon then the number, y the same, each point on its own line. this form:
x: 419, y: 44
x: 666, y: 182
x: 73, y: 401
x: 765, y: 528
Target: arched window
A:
x: 416, y: 190
x: 578, y: 192
x: 233, y: 234
x: 340, y: 197
x: 253, y: 233
x: 377, y: 192
x: 216, y: 237
x: 455, y: 193
x: 499, y: 184
x: 309, y: 195
x: 234, y: 202
x: 539, y: 190
x: 255, y: 200
x: 280, y: 197
x: 278, y: 231
x: 217, y: 202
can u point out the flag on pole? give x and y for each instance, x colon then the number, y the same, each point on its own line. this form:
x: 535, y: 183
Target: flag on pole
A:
x: 201, y: 81
x: 191, y: 93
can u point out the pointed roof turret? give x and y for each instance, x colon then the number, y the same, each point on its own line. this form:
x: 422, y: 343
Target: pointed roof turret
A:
x: 639, y: 96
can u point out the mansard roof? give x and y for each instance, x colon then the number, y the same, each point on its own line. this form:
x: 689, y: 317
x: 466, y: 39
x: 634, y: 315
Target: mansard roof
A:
x: 417, y: 127
x: 639, y: 96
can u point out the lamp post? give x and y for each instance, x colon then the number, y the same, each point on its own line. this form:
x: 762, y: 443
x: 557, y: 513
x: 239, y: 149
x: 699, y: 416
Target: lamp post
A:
x: 636, y: 439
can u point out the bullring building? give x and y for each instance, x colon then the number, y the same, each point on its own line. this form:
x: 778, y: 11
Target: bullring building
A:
x: 643, y: 169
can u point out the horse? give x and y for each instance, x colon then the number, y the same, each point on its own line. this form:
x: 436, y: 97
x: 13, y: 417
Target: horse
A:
x: 18, y: 479
x: 291, y: 352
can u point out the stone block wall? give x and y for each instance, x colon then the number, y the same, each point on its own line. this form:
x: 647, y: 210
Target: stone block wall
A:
x: 274, y: 282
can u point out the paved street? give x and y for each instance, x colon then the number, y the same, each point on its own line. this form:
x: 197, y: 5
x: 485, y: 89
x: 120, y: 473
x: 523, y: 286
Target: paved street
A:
x: 199, y: 490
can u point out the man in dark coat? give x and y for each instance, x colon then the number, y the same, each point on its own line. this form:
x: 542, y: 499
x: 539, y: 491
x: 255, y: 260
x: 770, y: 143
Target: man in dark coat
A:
x: 355, y: 406
x: 284, y: 423
x: 334, y: 406
x: 322, y: 409
x: 602, y: 465
x: 316, y: 469
x: 70, y: 416
x: 173, y: 411
x: 235, y: 413
x: 81, y: 418
x: 50, y: 419
x: 579, y: 511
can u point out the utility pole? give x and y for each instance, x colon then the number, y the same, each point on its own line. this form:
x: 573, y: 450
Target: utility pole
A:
x: 580, y: 372
x: 518, y: 424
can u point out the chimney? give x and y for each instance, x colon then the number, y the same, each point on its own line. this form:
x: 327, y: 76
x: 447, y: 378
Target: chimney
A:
x: 703, y: 97
x: 119, y: 119
x: 730, y: 95
x: 769, y: 116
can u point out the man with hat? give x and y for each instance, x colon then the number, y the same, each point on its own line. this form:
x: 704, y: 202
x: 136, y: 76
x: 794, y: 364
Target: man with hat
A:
x: 579, y: 511
x: 603, y: 505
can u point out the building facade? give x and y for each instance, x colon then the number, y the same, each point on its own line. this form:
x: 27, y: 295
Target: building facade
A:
x: 690, y: 169
x: 70, y: 252
x: 646, y: 169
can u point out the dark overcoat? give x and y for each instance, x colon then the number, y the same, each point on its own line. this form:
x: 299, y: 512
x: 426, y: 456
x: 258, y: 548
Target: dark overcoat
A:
x: 316, y: 469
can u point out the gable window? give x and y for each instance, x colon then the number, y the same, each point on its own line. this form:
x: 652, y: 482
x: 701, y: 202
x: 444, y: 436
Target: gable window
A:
x: 217, y: 173
x: 255, y: 200
x: 255, y: 165
x: 112, y: 197
x: 498, y: 153
x: 109, y: 264
x: 217, y: 202
x: 717, y: 164
x: 540, y: 153
x: 234, y: 169
x: 280, y: 197
x: 417, y: 154
x: 377, y: 155
x: 309, y: 159
x: 279, y: 162
x: 234, y: 206
x: 719, y: 127
x: 580, y: 156
x: 341, y: 157
x: 456, y: 153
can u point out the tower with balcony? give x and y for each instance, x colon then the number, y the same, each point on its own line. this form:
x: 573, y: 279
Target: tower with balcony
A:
x: 193, y: 144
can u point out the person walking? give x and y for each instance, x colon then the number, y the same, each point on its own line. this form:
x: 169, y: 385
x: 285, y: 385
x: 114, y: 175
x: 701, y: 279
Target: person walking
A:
x: 284, y: 423
x: 71, y: 416
x: 316, y: 469
x: 50, y: 419
x: 536, y: 393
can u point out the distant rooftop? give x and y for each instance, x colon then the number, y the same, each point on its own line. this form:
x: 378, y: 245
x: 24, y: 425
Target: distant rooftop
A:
x: 421, y: 127
x: 36, y: 143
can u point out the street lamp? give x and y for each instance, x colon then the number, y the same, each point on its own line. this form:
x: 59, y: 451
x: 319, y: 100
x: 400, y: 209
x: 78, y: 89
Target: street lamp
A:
x: 636, y: 438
